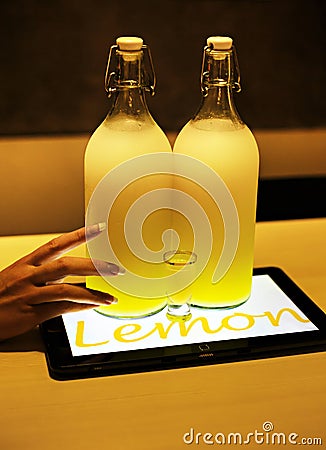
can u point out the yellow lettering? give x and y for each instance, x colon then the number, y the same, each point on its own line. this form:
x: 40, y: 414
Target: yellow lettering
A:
x: 163, y: 333
x: 250, y: 322
x: 120, y: 334
x: 128, y: 332
x: 184, y: 330
x: 276, y: 320
x: 80, y: 336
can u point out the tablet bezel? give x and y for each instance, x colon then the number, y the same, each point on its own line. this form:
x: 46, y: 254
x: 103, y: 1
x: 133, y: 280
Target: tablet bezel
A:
x: 63, y: 366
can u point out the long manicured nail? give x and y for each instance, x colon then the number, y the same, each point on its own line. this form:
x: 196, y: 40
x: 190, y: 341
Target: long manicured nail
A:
x: 101, y: 226
x: 117, y: 270
x: 95, y: 229
x: 111, y: 300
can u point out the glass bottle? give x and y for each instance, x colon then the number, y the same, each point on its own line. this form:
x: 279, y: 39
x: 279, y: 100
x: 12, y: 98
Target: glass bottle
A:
x: 128, y: 131
x: 217, y: 137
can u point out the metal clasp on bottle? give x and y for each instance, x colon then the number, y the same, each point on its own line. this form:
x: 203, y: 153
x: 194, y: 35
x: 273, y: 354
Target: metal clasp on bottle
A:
x: 148, y: 80
x: 234, y: 81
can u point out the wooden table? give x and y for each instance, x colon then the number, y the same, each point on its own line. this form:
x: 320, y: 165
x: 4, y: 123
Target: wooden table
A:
x: 153, y: 411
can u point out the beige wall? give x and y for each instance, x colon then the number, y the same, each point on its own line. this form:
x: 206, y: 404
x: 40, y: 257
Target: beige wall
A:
x: 41, y: 178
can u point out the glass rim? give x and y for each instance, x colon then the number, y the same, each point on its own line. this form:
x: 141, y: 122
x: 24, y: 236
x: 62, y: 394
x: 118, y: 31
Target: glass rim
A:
x: 188, y: 257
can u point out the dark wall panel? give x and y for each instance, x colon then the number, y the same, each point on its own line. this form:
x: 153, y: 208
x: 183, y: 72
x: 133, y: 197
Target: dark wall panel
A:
x: 53, y: 57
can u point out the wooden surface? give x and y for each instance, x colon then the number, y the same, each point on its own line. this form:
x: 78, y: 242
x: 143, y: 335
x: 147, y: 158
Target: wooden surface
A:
x: 153, y: 411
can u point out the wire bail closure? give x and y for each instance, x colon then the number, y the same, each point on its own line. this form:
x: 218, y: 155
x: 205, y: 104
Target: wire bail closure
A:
x: 234, y: 73
x: 147, y: 74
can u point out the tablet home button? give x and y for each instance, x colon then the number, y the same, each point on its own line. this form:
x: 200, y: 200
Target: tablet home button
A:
x: 203, y: 347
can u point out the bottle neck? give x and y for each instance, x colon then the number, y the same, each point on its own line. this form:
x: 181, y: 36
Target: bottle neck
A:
x: 220, y: 78
x: 129, y: 102
x: 127, y: 84
x: 218, y: 103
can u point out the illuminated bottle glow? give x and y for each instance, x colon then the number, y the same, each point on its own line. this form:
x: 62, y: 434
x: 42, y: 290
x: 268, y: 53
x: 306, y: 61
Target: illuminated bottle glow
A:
x: 128, y: 131
x: 218, y: 137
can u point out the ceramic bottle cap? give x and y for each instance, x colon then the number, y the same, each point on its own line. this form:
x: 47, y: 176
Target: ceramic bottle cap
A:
x: 129, y: 43
x: 220, y: 42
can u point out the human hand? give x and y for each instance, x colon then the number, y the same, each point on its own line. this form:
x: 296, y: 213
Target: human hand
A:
x: 32, y: 291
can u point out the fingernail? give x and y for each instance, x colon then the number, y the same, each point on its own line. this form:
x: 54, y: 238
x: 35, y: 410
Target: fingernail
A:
x: 101, y: 226
x: 112, y: 300
x: 117, y: 270
x: 96, y: 228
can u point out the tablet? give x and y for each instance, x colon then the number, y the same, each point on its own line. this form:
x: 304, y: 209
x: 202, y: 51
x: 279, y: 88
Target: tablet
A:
x: 277, y: 320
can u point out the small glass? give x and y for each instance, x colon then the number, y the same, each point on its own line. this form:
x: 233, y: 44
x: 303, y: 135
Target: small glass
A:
x: 181, y: 268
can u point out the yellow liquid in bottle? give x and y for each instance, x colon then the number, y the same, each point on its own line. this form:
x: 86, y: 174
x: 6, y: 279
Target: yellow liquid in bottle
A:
x: 233, y: 154
x: 113, y: 143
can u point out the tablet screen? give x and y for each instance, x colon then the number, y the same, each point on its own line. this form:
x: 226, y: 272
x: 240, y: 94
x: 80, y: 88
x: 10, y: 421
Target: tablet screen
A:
x: 269, y: 311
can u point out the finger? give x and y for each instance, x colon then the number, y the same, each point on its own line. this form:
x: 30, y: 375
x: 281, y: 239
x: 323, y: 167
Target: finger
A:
x: 63, y: 243
x: 71, y: 292
x: 74, y: 266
